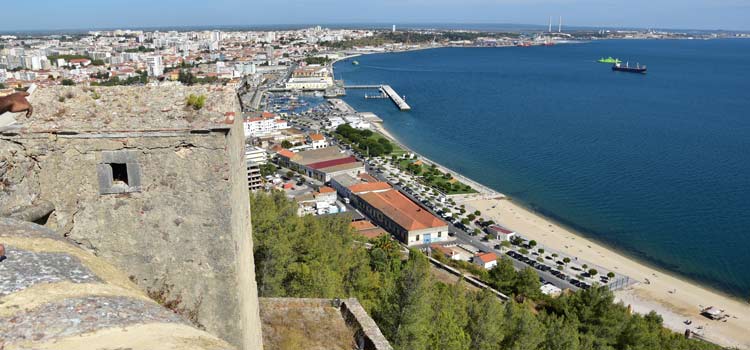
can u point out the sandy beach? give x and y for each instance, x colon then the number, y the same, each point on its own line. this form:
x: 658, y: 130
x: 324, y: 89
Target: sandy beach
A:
x: 675, y: 299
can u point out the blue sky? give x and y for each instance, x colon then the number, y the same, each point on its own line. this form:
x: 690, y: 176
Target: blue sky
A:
x: 84, y: 14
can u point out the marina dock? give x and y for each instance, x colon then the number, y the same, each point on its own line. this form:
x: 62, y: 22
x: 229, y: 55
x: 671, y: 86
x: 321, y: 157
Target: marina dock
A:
x: 388, y: 90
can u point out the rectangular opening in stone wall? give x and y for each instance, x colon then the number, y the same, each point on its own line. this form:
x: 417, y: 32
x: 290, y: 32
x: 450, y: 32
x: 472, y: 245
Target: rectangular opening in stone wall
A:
x: 119, y: 174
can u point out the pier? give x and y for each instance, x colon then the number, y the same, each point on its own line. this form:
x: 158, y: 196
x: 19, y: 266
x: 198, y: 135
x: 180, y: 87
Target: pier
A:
x: 388, y: 90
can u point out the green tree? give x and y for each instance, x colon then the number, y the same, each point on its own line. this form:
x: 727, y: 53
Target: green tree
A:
x: 562, y: 334
x: 527, y: 283
x: 410, y: 328
x: 450, y: 318
x: 286, y: 144
x: 525, y: 332
x: 486, y: 326
x: 503, y: 276
x: 68, y: 82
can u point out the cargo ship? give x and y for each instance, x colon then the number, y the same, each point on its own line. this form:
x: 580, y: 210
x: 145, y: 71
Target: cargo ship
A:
x: 627, y: 68
x: 609, y: 60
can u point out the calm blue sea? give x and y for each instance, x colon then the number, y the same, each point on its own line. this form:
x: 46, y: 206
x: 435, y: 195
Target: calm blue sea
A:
x: 657, y: 165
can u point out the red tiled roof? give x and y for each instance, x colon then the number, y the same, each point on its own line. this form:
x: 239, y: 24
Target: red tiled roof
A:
x: 367, y: 177
x: 369, y: 187
x: 445, y: 250
x: 326, y: 189
x: 332, y: 162
x: 402, y: 210
x: 500, y: 229
x: 486, y: 257
x: 317, y: 137
x: 285, y: 153
x: 371, y: 233
x: 362, y: 225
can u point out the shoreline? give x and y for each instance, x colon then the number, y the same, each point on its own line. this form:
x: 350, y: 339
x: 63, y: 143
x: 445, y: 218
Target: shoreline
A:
x: 674, y: 297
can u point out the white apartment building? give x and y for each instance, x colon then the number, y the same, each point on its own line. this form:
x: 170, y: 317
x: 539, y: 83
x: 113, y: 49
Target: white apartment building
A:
x: 155, y: 66
x: 264, y: 125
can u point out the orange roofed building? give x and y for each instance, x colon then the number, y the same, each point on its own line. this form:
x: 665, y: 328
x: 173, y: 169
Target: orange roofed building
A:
x: 403, y: 218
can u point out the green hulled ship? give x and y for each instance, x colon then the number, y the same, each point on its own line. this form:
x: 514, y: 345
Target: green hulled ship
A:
x: 609, y: 60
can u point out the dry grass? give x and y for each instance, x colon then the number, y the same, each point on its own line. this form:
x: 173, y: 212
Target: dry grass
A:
x: 294, y: 324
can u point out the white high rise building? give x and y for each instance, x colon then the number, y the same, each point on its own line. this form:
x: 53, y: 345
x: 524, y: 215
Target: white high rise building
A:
x: 155, y: 66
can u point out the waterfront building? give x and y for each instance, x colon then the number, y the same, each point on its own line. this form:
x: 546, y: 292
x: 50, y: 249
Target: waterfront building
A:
x: 407, y: 221
x: 500, y: 232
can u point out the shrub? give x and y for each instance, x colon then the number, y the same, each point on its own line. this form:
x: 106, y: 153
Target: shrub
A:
x: 196, y: 101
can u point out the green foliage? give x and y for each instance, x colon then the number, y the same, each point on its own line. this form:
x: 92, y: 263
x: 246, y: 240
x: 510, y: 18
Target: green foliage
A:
x: 2, y: 86
x: 286, y: 144
x: 317, y: 60
x: 267, y: 169
x: 196, y: 101
x: 486, y: 326
x: 365, y: 141
x: 141, y: 78
x: 53, y: 58
x: 68, y: 82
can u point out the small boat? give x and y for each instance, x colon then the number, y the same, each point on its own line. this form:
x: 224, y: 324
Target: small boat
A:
x: 627, y: 68
x: 609, y: 60
x: 356, y: 63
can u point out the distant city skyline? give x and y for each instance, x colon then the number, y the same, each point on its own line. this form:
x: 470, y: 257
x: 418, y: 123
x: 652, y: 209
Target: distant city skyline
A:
x: 84, y: 14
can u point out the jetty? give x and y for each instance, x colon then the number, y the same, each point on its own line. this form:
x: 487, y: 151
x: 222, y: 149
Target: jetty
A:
x: 387, y: 90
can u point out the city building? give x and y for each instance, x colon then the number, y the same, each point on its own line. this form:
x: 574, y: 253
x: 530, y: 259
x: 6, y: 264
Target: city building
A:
x: 449, y: 252
x: 367, y: 229
x: 500, y: 232
x: 255, y: 157
x: 406, y: 220
x: 317, y: 141
x: 322, y: 164
x: 155, y: 66
x: 485, y: 260
x: 265, y: 124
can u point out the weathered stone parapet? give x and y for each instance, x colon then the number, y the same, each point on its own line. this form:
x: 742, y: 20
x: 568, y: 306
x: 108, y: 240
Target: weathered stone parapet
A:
x: 369, y: 336
x: 149, y: 184
x: 313, y: 323
x: 54, y: 295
